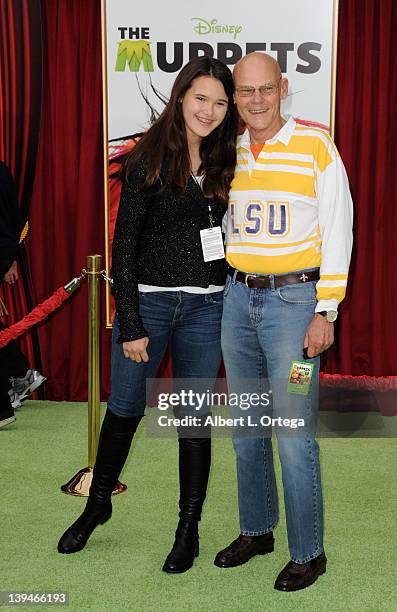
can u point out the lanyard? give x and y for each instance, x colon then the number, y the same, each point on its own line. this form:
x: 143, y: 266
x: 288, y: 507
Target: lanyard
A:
x: 211, y: 218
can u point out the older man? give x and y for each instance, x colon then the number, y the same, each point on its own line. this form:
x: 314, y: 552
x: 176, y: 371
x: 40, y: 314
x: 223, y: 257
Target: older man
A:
x: 289, y: 241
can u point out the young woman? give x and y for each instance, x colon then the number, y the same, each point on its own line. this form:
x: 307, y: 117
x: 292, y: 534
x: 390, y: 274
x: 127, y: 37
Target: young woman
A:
x: 167, y: 289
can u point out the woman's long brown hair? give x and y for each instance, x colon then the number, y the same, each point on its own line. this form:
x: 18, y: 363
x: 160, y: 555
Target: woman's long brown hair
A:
x: 164, y: 149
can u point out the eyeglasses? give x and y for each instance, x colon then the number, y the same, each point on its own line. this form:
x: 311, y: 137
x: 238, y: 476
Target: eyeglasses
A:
x: 265, y: 90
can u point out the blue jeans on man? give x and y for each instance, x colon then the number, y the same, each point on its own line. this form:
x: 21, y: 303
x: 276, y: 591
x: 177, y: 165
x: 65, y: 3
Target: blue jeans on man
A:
x: 263, y: 331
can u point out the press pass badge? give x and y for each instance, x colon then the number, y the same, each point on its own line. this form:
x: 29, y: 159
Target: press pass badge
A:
x: 300, y: 377
x: 212, y: 243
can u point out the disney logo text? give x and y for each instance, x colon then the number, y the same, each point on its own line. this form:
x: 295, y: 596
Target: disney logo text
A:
x: 212, y: 27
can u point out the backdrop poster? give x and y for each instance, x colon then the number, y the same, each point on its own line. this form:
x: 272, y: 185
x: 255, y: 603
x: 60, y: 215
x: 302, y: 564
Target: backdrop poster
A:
x: 145, y: 45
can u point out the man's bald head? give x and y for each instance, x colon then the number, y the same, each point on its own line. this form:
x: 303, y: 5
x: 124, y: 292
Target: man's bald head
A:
x: 258, y: 61
x: 259, y: 88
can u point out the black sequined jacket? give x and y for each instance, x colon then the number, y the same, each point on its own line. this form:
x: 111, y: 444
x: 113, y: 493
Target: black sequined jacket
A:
x: 157, y: 242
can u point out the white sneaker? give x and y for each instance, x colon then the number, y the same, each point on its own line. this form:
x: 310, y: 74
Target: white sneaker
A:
x: 14, y: 399
x: 23, y: 387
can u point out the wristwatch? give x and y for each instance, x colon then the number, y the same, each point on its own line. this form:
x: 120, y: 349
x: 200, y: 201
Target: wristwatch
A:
x: 330, y: 315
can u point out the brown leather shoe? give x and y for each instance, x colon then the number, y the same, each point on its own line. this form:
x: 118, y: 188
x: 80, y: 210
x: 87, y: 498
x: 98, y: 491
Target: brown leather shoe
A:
x: 243, y: 548
x: 296, y: 576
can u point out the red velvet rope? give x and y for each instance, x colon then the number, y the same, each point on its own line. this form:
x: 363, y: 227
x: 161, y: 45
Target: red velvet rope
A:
x: 38, y: 313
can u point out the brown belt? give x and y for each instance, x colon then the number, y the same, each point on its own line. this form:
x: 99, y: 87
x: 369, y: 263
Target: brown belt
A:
x: 257, y: 281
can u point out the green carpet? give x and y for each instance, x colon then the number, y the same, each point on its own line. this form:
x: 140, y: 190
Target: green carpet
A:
x: 120, y: 569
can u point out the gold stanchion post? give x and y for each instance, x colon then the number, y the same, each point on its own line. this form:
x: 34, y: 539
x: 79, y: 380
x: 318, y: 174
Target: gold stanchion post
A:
x: 80, y: 484
x: 93, y: 271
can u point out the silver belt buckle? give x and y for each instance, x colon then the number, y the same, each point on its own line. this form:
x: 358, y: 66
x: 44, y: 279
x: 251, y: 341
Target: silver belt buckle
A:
x: 247, y: 276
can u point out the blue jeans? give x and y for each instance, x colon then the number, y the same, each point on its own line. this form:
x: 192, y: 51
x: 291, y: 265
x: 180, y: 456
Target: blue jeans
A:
x: 262, y: 332
x: 190, y: 322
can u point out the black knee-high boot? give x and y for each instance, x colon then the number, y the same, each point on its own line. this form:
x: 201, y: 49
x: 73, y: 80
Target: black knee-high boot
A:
x: 194, y: 468
x: 114, y: 444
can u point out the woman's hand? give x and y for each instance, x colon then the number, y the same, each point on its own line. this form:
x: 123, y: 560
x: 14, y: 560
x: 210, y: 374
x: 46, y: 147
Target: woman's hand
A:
x: 136, y: 350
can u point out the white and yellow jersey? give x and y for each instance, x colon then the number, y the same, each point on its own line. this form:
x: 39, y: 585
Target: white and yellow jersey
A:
x: 291, y: 209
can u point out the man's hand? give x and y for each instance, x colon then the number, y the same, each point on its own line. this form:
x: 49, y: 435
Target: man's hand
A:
x: 319, y: 336
x: 12, y: 274
x: 136, y: 350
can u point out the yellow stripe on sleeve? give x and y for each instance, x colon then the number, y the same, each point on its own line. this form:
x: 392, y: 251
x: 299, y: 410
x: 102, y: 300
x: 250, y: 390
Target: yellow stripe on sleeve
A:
x: 331, y: 293
x: 334, y: 277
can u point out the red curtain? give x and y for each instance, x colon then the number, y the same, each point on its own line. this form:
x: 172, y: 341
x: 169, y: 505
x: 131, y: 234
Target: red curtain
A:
x: 67, y: 207
x: 67, y: 217
x: 366, y: 133
x: 20, y: 105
